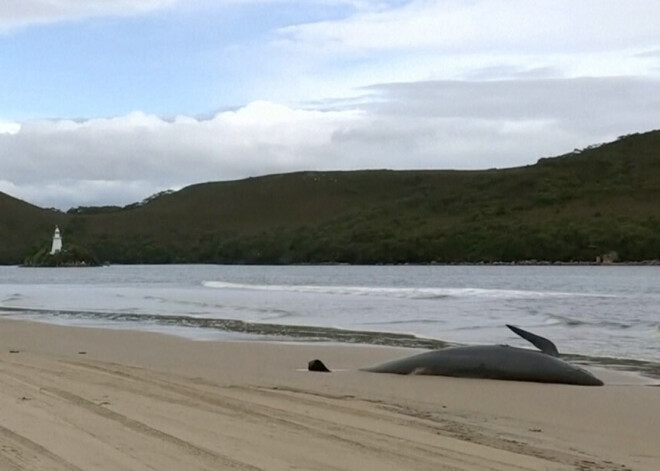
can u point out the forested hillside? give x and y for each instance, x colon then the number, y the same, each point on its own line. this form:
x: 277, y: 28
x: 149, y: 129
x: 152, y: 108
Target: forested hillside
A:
x: 24, y: 228
x: 600, y: 201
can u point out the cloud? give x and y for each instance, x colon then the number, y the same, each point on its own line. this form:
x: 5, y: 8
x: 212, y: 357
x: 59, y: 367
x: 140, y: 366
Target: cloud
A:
x: 423, y: 40
x: 9, y: 128
x: 460, y: 26
x: 483, y: 124
x: 430, y: 125
x: 583, y: 104
x: 143, y: 152
x: 260, y: 137
x: 19, y: 13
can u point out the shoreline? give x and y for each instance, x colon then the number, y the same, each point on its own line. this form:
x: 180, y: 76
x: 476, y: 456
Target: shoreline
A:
x: 233, y: 330
x: 100, y: 399
x: 532, y: 263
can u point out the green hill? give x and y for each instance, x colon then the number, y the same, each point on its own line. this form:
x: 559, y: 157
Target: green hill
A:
x: 601, y: 200
x: 24, y: 228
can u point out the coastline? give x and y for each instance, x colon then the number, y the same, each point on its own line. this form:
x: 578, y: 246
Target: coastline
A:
x: 521, y: 262
x: 85, y: 398
x: 219, y: 329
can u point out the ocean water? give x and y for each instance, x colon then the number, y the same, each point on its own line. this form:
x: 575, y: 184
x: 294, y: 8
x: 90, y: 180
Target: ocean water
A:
x: 590, y: 311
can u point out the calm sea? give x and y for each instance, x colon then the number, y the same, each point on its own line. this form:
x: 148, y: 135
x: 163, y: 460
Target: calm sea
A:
x: 593, y: 311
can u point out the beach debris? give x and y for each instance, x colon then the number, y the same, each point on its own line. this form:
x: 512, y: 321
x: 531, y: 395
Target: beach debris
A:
x: 317, y: 365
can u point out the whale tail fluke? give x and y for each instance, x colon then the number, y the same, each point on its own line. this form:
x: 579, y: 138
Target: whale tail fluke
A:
x: 543, y: 344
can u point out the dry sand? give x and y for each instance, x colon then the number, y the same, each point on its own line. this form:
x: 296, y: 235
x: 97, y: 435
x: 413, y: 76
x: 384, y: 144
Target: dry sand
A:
x: 92, y: 399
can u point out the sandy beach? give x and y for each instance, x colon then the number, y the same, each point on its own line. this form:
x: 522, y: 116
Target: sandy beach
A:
x: 95, y: 399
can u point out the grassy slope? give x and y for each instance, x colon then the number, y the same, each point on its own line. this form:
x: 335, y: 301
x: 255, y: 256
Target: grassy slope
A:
x: 572, y: 207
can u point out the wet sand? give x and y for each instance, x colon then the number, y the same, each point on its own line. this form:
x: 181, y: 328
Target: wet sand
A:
x: 95, y: 399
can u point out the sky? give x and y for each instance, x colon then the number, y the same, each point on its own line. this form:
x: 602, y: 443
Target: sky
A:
x: 106, y: 102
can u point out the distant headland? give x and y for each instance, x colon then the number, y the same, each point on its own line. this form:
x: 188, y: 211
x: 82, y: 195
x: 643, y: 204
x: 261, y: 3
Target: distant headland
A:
x: 60, y: 256
x: 593, y: 205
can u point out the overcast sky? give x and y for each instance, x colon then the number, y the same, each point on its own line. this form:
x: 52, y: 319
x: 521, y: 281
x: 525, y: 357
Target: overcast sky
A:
x: 110, y: 101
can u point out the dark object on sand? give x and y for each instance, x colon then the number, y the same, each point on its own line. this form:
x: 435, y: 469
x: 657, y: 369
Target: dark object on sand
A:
x: 317, y: 365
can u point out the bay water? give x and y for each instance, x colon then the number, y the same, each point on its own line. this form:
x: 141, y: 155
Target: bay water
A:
x: 592, y: 312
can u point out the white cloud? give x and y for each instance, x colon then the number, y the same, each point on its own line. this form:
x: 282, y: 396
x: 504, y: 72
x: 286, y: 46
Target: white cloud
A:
x: 47, y: 157
x: 424, y: 39
x: 460, y: 26
x: 9, y: 128
x: 431, y: 125
x: 18, y: 13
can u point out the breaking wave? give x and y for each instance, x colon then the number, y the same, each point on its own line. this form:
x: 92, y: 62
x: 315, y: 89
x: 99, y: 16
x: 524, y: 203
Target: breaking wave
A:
x: 405, y: 293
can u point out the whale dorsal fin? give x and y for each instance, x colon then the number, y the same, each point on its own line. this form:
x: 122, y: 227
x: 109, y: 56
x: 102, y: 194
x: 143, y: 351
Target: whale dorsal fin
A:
x: 543, y: 344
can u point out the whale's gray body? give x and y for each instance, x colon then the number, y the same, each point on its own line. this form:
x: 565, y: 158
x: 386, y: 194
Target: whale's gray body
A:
x: 495, y: 362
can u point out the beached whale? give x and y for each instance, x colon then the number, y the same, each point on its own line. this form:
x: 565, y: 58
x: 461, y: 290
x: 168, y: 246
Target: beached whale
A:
x: 494, y: 362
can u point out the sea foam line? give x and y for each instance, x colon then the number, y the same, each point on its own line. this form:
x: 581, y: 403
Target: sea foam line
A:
x: 407, y: 292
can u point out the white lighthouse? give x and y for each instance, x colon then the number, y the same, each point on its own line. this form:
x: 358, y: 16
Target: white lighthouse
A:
x: 57, y: 242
